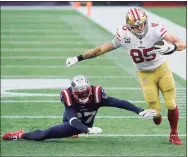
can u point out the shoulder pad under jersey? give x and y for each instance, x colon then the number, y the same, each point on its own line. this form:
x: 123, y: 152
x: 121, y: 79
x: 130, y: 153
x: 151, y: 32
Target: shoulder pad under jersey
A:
x: 121, y: 32
x: 99, y: 93
x: 160, y: 30
x: 65, y: 97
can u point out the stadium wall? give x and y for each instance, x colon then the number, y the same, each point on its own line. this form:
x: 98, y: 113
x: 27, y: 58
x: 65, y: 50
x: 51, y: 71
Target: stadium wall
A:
x: 110, y: 18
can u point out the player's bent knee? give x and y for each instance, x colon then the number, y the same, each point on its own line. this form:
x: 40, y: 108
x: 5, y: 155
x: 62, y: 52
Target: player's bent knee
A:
x: 170, y: 99
x: 170, y: 105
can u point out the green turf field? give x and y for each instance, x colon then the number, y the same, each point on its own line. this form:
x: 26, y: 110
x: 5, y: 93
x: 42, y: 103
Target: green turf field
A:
x: 35, y: 45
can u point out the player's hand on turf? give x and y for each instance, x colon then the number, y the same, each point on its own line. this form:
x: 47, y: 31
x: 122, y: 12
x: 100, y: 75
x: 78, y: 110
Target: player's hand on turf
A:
x: 148, y: 114
x: 94, y: 130
x: 71, y: 61
x: 164, y: 48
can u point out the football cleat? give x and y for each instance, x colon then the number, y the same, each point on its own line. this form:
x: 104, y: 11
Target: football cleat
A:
x: 13, y: 135
x: 174, y: 139
x: 157, y: 120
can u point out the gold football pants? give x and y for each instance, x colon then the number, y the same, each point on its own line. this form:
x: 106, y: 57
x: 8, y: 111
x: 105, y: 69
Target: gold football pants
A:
x: 161, y: 79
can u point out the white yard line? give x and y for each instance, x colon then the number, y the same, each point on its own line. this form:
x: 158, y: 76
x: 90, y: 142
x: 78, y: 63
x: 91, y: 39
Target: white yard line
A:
x: 57, y: 101
x: 39, y: 30
x: 98, y: 117
x: 58, y: 66
x: 34, y: 36
x: 121, y: 88
x: 61, y: 77
x: 126, y: 135
x: 43, y: 37
x: 46, y: 57
x: 44, y: 50
x: 52, y: 42
x: 129, y: 135
x: 31, y: 30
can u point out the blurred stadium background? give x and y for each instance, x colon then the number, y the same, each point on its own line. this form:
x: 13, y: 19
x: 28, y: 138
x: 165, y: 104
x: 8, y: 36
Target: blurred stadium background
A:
x: 35, y: 43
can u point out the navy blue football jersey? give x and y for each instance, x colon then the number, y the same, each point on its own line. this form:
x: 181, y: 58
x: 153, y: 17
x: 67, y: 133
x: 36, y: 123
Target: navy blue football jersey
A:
x: 85, y: 112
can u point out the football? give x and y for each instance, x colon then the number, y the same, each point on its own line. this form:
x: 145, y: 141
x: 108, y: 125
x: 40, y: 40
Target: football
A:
x: 159, y: 43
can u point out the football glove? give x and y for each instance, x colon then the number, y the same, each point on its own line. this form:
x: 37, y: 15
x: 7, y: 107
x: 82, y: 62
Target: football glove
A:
x: 71, y: 61
x: 164, y: 48
x: 148, y: 114
x: 94, y: 130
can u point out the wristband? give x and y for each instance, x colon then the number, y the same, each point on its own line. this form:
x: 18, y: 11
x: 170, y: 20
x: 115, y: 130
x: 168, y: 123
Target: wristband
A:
x: 80, y: 58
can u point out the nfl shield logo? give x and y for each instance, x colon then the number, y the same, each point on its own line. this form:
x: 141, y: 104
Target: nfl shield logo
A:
x: 127, y: 40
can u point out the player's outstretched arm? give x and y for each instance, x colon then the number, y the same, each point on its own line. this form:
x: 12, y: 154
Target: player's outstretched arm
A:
x: 91, y: 53
x: 123, y: 104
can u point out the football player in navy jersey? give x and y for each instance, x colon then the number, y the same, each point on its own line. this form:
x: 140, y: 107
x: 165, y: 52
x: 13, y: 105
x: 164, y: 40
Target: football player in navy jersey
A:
x: 81, y: 102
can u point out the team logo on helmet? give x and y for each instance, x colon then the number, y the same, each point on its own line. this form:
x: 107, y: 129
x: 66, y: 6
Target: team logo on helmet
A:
x: 134, y: 18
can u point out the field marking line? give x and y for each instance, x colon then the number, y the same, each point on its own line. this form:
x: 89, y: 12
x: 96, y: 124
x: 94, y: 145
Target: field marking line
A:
x: 110, y: 88
x: 126, y: 135
x: 44, y: 37
x: 53, y: 42
x: 98, y: 117
x: 52, y: 30
x: 183, y: 104
x: 46, y: 57
x: 26, y: 30
x: 61, y: 77
x: 44, y: 50
x: 129, y: 135
x: 57, y: 66
x: 34, y: 30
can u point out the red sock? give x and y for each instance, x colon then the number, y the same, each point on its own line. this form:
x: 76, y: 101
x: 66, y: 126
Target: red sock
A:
x: 173, y: 116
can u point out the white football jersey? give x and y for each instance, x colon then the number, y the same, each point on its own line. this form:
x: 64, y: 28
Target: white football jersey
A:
x: 138, y: 48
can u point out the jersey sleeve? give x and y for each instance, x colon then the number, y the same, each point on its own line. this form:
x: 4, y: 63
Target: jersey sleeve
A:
x: 99, y: 94
x: 116, y: 42
x: 119, y: 36
x: 103, y: 94
x: 62, y: 99
x: 122, y: 104
x: 65, y: 97
x: 161, y: 30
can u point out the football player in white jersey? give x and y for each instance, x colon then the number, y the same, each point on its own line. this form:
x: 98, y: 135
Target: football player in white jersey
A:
x: 139, y: 37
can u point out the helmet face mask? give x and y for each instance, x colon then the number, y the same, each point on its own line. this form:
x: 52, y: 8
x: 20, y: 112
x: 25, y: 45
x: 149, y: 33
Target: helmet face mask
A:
x: 136, y: 19
x: 81, y: 89
x: 83, y: 96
